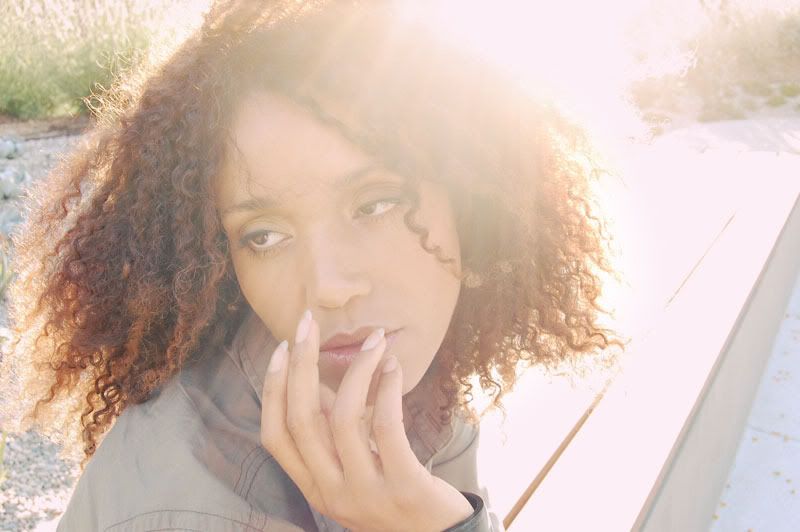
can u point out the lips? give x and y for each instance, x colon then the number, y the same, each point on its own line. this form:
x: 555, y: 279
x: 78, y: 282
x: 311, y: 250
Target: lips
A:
x: 349, y: 340
x: 343, y: 356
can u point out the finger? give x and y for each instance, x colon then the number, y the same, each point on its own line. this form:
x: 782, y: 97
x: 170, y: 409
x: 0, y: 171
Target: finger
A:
x: 373, y: 389
x: 350, y: 432
x: 275, y: 435
x: 367, y: 425
x: 307, y: 424
x: 327, y: 398
x: 368, y: 411
x: 367, y: 434
x: 400, y: 464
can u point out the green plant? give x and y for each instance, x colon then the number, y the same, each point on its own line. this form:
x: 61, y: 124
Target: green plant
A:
x: 719, y: 110
x: 736, y: 48
x: 749, y: 103
x: 790, y: 90
x: 71, y: 48
x: 776, y: 100
x: 655, y: 117
x: 646, y: 93
x: 729, y: 91
x: 756, y: 88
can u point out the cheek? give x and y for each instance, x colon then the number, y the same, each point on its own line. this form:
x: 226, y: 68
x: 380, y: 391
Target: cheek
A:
x: 271, y: 300
x: 437, y: 214
x: 246, y: 275
x: 430, y: 289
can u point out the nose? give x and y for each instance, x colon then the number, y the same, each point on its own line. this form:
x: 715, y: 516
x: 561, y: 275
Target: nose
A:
x: 335, y: 270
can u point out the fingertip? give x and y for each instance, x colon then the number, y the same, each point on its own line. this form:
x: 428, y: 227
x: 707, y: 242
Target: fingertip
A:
x: 374, y: 339
x: 303, y: 327
x: 388, y: 407
x: 390, y: 382
x: 390, y: 365
x: 278, y: 359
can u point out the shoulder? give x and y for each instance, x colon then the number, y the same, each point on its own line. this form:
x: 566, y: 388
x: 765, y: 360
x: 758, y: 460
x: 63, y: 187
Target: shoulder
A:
x: 457, y: 464
x: 464, y: 437
x: 143, y: 466
x: 186, y: 459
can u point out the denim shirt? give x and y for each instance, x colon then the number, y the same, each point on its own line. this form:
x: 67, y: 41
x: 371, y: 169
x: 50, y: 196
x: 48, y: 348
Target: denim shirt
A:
x: 190, y: 458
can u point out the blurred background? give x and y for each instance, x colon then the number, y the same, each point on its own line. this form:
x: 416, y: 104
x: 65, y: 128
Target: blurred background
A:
x: 704, y: 73
x: 675, y: 60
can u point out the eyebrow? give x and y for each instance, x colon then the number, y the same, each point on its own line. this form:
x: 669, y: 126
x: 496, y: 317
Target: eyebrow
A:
x: 267, y: 202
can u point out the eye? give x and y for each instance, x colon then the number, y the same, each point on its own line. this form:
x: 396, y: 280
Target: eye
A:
x: 377, y: 208
x: 265, y: 241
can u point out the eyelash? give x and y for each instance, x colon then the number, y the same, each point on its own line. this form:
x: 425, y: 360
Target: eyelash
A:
x: 244, y: 241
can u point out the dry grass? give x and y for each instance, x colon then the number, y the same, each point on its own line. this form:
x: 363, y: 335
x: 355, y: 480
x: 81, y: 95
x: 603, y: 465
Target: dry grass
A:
x: 55, y: 53
x: 743, y: 57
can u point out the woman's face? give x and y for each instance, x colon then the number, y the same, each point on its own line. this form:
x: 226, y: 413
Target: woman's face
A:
x: 311, y: 228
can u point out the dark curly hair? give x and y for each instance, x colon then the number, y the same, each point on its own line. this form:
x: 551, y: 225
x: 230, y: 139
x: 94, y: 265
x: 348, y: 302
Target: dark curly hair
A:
x: 123, y: 272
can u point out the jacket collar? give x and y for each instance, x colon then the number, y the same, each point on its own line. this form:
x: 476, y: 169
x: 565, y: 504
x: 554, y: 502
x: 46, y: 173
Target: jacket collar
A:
x: 254, y: 343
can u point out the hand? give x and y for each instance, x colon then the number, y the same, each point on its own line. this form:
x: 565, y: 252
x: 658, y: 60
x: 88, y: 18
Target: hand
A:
x: 321, y: 439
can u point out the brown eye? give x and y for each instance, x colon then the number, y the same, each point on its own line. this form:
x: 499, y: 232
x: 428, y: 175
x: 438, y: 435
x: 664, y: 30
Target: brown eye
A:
x: 379, y: 207
x: 262, y: 242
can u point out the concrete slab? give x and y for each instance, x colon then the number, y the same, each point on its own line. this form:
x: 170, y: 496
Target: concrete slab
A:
x: 762, y: 492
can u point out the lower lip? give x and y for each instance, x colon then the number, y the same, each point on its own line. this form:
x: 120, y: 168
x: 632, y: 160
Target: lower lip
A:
x: 346, y: 354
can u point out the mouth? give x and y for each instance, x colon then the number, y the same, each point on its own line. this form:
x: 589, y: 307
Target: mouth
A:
x: 348, y: 339
x: 344, y: 354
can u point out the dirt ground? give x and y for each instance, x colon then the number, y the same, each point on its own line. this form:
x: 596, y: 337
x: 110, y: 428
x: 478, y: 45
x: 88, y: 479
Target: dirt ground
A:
x: 39, y: 129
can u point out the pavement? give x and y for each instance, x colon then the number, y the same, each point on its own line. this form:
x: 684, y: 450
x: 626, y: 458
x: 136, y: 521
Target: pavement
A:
x: 762, y: 492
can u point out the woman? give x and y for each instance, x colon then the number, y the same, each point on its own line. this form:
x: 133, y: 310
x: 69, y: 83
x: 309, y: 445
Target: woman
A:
x: 299, y: 181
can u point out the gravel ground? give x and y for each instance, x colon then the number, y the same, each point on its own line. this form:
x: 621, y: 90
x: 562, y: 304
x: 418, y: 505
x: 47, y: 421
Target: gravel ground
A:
x: 38, y: 483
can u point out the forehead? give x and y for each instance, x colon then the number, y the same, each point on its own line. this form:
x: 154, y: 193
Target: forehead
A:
x: 280, y: 148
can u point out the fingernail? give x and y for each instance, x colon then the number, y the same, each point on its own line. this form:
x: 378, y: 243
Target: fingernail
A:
x: 390, y: 364
x: 373, y: 339
x: 278, y: 356
x: 303, y: 327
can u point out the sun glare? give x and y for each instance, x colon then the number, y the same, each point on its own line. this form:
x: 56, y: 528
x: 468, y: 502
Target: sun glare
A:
x: 573, y: 51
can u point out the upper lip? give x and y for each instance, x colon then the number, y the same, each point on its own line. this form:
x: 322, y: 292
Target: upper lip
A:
x: 356, y: 337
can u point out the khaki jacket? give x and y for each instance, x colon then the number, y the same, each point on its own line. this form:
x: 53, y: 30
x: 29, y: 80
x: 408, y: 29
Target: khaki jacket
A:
x: 190, y: 458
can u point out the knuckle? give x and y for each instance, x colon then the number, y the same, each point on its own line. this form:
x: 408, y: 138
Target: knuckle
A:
x: 341, y: 421
x: 405, y: 498
x: 295, y: 359
x: 269, y: 392
x: 296, y: 424
x: 339, y: 508
x: 316, y: 499
x: 268, y: 438
x: 403, y: 503
x: 382, y: 425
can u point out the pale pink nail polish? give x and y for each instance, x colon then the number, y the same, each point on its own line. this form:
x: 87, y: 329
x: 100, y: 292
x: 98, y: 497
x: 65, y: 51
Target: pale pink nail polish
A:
x: 373, y: 339
x: 276, y: 362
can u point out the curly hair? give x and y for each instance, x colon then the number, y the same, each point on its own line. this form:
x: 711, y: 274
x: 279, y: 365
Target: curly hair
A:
x: 123, y: 272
